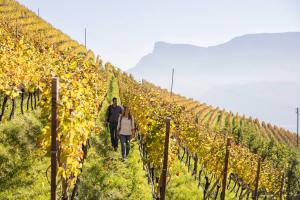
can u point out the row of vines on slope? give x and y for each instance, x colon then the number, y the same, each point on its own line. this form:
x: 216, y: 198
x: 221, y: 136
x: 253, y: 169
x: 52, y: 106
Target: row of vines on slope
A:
x: 26, y: 68
x: 32, y: 52
x: 218, y: 119
x: 150, y: 108
x: 260, y: 138
x: 21, y: 21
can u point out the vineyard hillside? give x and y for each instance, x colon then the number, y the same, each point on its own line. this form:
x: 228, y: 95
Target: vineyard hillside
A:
x: 55, y: 139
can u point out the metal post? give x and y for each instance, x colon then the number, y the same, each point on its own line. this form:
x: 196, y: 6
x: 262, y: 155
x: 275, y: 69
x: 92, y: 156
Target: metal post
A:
x: 165, y: 161
x: 17, y: 31
x: 226, y: 161
x: 38, y: 12
x: 172, y: 82
x: 297, y: 111
x: 53, y: 137
x: 85, y: 37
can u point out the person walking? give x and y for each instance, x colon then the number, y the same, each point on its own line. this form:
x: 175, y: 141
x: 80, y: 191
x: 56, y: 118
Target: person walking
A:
x: 112, y: 116
x: 126, y: 130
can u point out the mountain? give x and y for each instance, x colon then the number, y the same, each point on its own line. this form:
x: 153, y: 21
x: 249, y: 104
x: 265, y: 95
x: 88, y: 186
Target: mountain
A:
x: 233, y: 73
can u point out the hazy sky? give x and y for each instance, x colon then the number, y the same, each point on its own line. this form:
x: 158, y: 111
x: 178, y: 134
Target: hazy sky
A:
x: 123, y: 31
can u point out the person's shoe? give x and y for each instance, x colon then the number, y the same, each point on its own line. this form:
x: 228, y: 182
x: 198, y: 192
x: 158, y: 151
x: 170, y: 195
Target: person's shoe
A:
x: 116, y: 149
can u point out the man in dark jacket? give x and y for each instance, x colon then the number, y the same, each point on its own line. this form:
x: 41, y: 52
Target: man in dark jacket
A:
x: 112, y: 117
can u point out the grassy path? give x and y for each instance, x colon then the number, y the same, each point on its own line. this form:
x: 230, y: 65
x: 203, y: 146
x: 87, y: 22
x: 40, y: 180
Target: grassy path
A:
x: 182, y: 186
x: 107, y: 178
x: 191, y: 182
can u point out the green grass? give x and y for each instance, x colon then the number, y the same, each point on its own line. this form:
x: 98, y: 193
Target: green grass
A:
x: 190, y: 180
x: 22, y: 174
x: 183, y: 186
x: 107, y: 178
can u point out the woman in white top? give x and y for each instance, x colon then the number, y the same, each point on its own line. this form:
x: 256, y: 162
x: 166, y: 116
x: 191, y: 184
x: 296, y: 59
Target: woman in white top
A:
x: 126, y: 130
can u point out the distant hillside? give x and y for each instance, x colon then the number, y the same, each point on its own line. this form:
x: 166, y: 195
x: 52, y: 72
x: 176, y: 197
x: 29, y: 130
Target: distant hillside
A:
x: 247, y: 60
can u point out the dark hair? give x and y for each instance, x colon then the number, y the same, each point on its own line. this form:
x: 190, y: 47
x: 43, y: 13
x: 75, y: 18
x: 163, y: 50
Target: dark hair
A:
x: 129, y: 115
x: 115, y: 98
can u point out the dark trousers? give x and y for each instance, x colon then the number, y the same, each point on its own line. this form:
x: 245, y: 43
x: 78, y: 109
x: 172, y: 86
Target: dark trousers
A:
x: 125, y: 145
x: 113, y: 134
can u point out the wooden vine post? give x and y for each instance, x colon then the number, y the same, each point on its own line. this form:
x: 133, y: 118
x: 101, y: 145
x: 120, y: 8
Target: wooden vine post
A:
x: 3, y: 107
x: 225, y: 171
x: 165, y: 161
x: 22, y: 100
x: 255, y: 196
x: 54, y: 136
